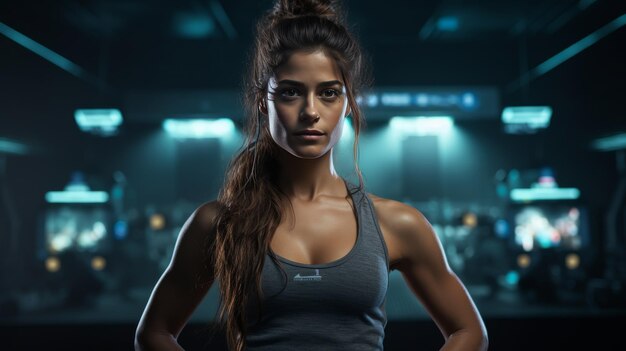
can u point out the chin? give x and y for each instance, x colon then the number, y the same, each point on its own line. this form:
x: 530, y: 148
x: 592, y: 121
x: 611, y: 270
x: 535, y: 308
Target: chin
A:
x: 316, y: 151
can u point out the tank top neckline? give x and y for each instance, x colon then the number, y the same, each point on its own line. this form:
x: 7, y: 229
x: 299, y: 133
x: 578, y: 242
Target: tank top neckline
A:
x: 339, y: 260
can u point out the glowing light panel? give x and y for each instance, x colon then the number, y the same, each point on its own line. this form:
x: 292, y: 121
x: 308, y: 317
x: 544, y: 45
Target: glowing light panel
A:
x: 99, y: 121
x: 422, y: 125
x: 199, y: 128
x: 532, y: 194
x: 70, y: 196
x: 533, y: 116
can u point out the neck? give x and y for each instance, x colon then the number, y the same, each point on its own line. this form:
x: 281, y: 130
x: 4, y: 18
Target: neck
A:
x: 307, y: 179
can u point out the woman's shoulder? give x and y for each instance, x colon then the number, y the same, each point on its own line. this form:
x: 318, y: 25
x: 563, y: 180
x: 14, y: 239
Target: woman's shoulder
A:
x: 390, y: 208
x: 398, y: 217
x: 204, y: 216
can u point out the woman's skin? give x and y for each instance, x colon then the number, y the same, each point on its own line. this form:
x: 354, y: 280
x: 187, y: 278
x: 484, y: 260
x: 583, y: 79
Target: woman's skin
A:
x: 300, y: 97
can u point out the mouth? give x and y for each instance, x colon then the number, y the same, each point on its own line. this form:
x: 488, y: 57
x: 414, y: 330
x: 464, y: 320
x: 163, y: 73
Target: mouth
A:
x: 309, y: 132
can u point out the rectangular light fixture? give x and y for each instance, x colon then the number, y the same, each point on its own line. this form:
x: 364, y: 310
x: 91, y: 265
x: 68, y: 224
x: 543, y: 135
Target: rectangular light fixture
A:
x: 532, y: 116
x: 611, y: 143
x: 539, y: 193
x: 98, y: 121
x: 199, y: 128
x: 77, y: 196
x: 421, y: 125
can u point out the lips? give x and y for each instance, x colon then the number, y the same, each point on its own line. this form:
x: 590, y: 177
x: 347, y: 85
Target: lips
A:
x: 309, y: 132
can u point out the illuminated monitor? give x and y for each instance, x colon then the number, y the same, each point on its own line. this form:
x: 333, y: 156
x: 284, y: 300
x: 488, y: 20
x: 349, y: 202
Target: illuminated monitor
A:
x: 546, y: 225
x: 77, y: 228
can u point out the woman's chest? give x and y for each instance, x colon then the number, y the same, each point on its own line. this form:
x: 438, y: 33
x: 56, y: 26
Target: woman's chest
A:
x: 359, y: 283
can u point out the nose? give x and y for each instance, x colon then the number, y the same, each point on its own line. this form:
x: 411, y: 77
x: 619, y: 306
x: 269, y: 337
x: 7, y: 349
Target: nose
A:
x: 309, y: 110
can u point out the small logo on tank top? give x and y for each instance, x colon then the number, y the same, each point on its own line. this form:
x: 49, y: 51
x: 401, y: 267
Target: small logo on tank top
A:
x: 316, y: 277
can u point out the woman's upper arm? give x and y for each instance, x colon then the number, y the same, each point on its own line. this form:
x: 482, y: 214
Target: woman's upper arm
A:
x: 186, y: 280
x: 426, y: 271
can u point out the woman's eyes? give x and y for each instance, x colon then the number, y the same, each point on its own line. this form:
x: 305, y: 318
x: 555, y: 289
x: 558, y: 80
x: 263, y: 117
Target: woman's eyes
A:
x: 326, y: 93
x: 332, y: 91
x: 289, y: 92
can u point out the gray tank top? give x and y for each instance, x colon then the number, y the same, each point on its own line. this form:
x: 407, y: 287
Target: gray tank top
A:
x: 338, y: 305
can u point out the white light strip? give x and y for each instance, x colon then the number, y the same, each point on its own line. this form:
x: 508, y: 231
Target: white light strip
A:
x: 105, y: 120
x: 523, y: 195
x: 421, y: 125
x: 199, y: 128
x: 535, y: 116
x: 83, y: 197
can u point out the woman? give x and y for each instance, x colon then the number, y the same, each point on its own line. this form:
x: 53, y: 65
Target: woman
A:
x: 314, y: 277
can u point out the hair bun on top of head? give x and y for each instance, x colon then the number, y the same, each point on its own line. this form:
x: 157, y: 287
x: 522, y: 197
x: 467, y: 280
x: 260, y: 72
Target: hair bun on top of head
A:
x: 296, y: 8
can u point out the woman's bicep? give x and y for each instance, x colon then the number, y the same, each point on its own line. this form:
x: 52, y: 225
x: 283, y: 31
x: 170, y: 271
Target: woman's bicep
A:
x: 426, y: 272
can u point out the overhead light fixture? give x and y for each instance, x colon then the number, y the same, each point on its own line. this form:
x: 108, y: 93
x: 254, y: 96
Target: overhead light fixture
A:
x: 535, y: 116
x: 77, y: 192
x: 422, y: 125
x: 104, y: 122
x: 610, y: 143
x: 199, y: 128
x: 526, y: 119
x: 539, y: 193
x: 77, y: 197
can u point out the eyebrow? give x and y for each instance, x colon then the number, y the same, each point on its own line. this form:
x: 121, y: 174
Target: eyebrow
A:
x: 322, y: 84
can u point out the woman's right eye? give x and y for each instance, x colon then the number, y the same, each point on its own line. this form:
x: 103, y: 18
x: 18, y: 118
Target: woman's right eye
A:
x: 290, y: 92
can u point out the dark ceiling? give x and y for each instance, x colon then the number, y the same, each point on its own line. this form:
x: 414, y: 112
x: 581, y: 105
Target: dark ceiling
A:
x: 142, y: 45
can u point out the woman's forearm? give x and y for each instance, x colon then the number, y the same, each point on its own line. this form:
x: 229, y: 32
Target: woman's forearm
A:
x: 466, y: 340
x: 156, y: 342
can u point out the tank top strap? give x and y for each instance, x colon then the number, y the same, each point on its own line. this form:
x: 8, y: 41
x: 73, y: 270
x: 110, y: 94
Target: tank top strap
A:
x: 373, y: 239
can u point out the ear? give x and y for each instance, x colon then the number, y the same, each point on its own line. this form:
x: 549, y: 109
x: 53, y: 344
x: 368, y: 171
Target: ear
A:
x: 263, y: 107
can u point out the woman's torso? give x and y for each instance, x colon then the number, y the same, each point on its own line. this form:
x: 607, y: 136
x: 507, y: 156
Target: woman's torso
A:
x: 333, y: 294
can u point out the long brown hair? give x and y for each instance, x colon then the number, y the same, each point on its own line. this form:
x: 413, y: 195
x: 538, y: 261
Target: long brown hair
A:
x: 250, y: 201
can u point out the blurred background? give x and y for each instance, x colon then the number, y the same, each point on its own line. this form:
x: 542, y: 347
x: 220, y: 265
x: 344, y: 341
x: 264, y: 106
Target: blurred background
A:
x: 503, y: 122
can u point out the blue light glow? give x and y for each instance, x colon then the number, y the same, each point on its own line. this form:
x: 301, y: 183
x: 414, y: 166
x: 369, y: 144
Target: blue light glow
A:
x: 532, y: 116
x: 501, y: 228
x: 533, y: 194
x: 347, y: 133
x: 99, y: 121
x: 512, y: 278
x: 396, y: 99
x: 77, y: 196
x: 421, y: 125
x: 469, y: 100
x: 194, y: 25
x: 448, y: 24
x: 611, y: 143
x: 120, y: 230
x: 199, y: 128
x: 12, y: 147
x: 372, y: 100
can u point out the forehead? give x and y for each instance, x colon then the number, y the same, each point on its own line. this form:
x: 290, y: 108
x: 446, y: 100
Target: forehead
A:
x: 309, y: 67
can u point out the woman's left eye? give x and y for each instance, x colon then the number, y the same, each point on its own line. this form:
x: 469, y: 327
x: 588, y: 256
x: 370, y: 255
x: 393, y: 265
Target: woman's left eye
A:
x: 330, y: 93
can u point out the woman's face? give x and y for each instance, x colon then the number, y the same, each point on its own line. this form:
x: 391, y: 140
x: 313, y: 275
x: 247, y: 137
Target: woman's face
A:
x: 306, y: 92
